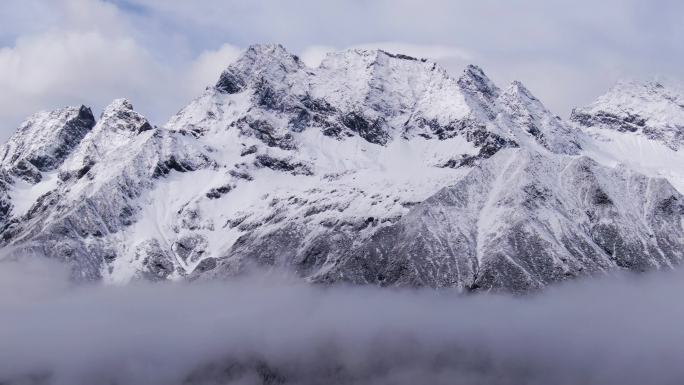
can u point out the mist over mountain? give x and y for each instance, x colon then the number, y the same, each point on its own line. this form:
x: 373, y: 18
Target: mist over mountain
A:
x: 270, y: 328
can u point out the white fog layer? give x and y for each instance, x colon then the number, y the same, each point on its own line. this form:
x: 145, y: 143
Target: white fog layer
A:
x: 271, y: 330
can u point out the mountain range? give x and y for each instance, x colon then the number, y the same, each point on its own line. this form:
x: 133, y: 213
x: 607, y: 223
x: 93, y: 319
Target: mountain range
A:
x: 373, y: 168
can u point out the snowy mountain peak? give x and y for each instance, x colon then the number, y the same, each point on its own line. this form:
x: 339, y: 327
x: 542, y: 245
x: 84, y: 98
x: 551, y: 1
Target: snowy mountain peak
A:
x: 649, y: 109
x: 518, y: 90
x: 261, y: 57
x: 118, y: 104
x: 474, y: 80
x: 517, y: 95
x: 44, y: 140
x: 480, y: 91
x: 120, y: 116
x: 270, y: 62
x: 523, y: 111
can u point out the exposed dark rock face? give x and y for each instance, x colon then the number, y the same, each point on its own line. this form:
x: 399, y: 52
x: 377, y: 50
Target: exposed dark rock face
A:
x: 156, y: 263
x: 278, y: 164
x: 218, y: 192
x: 230, y: 83
x: 374, y: 131
x: 489, y: 145
x: 248, y: 150
x: 190, y: 248
x: 171, y: 164
x: 627, y: 123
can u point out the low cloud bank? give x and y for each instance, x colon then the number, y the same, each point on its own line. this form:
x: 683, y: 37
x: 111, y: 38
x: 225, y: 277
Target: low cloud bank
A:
x: 267, y: 329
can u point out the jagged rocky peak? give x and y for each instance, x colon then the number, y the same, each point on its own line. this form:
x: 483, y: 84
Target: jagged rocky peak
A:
x: 120, y: 116
x: 44, y: 140
x: 272, y: 62
x: 528, y: 115
x: 517, y: 95
x: 648, y: 108
x: 518, y: 90
x: 474, y: 81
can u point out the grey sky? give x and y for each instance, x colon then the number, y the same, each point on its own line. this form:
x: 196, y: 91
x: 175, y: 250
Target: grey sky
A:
x: 161, y: 53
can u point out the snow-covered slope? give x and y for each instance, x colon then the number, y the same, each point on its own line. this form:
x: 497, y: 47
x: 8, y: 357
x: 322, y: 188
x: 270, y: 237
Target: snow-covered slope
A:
x: 372, y: 168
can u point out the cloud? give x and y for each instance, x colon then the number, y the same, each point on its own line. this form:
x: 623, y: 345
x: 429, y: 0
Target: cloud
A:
x: 624, y: 330
x: 62, y: 68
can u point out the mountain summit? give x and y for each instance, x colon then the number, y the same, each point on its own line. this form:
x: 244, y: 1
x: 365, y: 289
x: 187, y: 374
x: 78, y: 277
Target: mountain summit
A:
x: 373, y: 168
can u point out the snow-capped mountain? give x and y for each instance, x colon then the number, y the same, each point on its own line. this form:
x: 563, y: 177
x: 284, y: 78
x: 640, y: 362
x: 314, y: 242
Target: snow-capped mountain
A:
x: 373, y: 168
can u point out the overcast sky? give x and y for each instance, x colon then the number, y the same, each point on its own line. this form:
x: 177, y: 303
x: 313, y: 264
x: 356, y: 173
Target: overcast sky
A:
x: 161, y: 53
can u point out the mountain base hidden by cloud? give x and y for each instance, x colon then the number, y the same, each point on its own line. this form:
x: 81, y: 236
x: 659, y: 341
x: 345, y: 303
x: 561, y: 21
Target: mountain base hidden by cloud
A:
x: 268, y: 329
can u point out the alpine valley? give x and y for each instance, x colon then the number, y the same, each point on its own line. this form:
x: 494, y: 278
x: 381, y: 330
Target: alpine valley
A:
x: 373, y: 168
